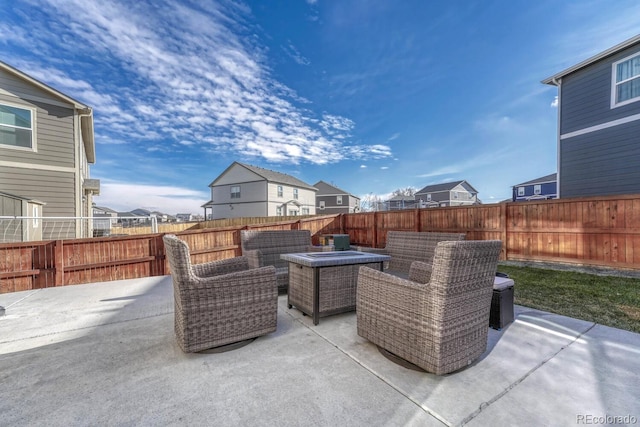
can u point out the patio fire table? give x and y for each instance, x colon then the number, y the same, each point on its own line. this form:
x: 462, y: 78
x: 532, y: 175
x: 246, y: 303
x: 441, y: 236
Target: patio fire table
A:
x: 324, y: 283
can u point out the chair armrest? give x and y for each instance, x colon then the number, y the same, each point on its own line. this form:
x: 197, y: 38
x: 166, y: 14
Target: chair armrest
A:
x: 381, y: 251
x: 384, y: 293
x: 420, y: 272
x: 254, y: 257
x: 256, y: 278
x: 216, y: 268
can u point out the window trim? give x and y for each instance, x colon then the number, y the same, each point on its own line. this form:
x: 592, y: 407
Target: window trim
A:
x: 537, y: 189
x: 339, y: 200
x: 280, y: 191
x: 321, y: 205
x: 295, y: 193
x: 232, y: 193
x: 33, y: 111
x: 520, y: 191
x: 615, y: 83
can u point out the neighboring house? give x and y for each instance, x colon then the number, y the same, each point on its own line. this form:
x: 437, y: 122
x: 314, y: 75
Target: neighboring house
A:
x: 331, y: 199
x: 545, y: 187
x: 46, y: 146
x: 147, y: 214
x: 243, y: 190
x: 457, y: 193
x: 401, y: 202
x: 599, y: 123
x: 184, y: 217
x: 103, y: 219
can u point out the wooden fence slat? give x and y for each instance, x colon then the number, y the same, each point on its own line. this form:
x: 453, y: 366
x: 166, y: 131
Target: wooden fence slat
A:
x: 596, y: 231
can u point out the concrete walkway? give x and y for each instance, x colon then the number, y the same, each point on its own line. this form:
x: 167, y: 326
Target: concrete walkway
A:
x: 105, y: 354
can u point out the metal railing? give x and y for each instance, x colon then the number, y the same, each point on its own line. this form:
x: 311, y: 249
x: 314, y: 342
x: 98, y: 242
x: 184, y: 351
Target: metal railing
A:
x: 30, y: 228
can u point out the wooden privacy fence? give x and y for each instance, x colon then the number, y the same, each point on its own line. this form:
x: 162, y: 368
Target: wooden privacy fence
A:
x: 602, y: 231
x: 35, y: 265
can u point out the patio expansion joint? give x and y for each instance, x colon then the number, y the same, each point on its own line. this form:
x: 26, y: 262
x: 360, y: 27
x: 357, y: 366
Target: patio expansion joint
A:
x: 485, y: 405
x: 396, y: 389
x: 86, y: 327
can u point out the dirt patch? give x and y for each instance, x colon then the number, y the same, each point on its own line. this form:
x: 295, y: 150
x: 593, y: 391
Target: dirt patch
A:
x: 632, y: 312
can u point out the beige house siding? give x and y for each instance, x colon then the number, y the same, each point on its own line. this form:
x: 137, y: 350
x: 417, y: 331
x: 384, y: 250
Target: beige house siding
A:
x: 258, y: 195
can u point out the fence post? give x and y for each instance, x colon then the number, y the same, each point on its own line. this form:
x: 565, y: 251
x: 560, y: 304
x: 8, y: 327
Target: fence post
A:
x: 416, y: 222
x: 503, y: 229
x: 375, y: 230
x: 58, y: 263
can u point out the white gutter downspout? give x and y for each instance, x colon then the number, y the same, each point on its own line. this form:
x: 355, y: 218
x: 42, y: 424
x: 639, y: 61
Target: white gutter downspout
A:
x: 84, y: 204
x: 558, y: 82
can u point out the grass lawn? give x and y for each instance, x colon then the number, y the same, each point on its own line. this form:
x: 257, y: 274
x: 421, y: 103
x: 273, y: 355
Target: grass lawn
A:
x: 607, y: 300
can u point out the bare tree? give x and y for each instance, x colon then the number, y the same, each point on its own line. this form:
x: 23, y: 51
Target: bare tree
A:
x: 407, y: 191
x: 371, y: 203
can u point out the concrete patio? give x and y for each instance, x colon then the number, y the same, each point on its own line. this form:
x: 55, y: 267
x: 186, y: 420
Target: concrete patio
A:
x: 105, y: 354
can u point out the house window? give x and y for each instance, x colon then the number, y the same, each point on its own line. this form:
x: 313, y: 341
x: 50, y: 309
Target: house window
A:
x: 295, y: 193
x: 305, y: 211
x: 16, y: 127
x: 280, y: 191
x: 537, y: 189
x: 235, y: 191
x: 321, y: 205
x: 520, y: 191
x: 626, y: 81
x: 428, y: 197
x: 455, y: 194
x: 279, y: 211
x: 338, y: 200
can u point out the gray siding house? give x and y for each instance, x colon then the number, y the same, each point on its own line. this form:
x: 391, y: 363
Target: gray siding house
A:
x: 457, y: 193
x: 599, y: 123
x: 46, y: 146
x: 244, y: 190
x: 331, y: 200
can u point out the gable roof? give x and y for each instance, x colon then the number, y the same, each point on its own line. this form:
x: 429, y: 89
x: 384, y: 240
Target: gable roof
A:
x: 543, y: 179
x: 447, y: 186
x: 86, y: 112
x: 324, y: 187
x: 269, y: 175
x: 104, y: 208
x: 613, y: 50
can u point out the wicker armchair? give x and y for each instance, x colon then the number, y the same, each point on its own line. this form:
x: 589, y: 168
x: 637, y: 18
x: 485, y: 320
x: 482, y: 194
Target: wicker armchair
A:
x: 438, y: 319
x: 265, y: 247
x: 219, y: 302
x: 405, y: 247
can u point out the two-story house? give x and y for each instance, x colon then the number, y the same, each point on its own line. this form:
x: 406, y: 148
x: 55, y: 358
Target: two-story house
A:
x: 244, y: 190
x: 331, y: 199
x: 46, y: 146
x: 599, y: 123
x: 457, y: 193
x: 545, y: 187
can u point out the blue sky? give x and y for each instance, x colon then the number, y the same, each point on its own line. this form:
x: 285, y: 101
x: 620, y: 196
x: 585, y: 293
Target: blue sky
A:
x: 369, y: 95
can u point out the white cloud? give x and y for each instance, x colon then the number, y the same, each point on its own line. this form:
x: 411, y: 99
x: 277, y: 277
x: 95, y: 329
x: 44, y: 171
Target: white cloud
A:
x: 191, y: 77
x: 291, y: 50
x: 167, y: 199
x: 554, y: 103
x: 384, y: 167
x: 363, y: 166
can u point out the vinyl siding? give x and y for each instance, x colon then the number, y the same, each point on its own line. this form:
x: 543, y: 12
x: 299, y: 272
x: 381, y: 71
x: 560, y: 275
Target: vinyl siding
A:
x: 10, y: 206
x: 603, y: 162
x: 586, y: 96
x: 52, y: 187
